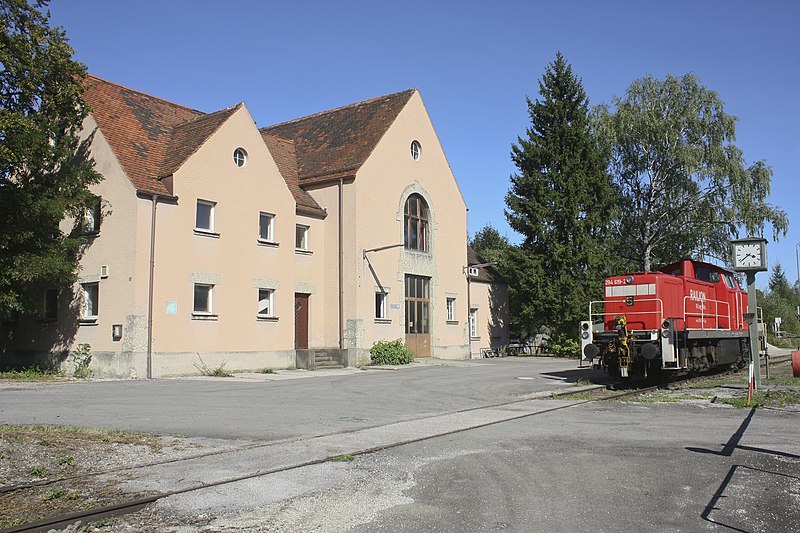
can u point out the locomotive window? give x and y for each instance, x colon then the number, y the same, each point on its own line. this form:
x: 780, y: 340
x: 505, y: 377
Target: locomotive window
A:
x: 704, y: 274
x: 714, y: 277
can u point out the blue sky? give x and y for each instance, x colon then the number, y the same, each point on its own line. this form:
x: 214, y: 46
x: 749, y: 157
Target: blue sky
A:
x: 474, y: 63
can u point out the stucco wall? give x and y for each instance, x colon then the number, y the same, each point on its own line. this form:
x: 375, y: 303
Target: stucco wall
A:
x: 233, y: 260
x: 383, y: 184
x: 33, y: 340
x: 491, y: 301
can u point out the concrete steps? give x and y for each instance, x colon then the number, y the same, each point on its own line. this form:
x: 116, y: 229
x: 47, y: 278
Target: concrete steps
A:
x: 322, y: 361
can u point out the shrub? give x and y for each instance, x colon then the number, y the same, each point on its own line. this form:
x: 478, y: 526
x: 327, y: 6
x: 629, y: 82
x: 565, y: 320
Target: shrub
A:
x: 80, y: 359
x: 564, y: 347
x: 390, y: 353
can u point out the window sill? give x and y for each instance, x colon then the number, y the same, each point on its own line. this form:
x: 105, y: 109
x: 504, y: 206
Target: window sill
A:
x: 452, y: 322
x: 206, y: 233
x: 383, y: 320
x: 268, y: 244
x: 92, y: 321
x: 204, y: 316
x: 474, y: 339
x: 262, y: 318
x: 90, y: 234
x: 301, y: 251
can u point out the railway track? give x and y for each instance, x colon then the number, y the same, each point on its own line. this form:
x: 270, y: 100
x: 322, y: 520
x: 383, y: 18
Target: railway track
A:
x: 133, y: 505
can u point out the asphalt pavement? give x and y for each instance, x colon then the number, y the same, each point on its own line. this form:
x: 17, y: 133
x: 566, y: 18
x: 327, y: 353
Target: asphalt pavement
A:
x: 440, y: 446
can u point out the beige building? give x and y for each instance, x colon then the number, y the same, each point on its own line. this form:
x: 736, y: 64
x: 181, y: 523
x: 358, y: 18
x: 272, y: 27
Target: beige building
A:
x: 488, y: 307
x: 294, y: 245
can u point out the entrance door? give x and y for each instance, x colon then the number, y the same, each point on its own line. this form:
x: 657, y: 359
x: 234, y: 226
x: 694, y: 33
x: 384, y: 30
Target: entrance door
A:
x: 418, y: 331
x: 301, y: 321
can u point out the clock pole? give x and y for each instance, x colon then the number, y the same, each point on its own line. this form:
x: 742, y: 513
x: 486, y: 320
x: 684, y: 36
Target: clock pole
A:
x: 750, y: 256
x: 752, y: 310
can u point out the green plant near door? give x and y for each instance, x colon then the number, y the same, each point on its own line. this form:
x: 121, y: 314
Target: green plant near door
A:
x: 390, y: 353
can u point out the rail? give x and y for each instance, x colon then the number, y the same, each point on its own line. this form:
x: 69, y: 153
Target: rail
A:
x: 703, y: 316
x: 701, y: 313
x: 604, y: 316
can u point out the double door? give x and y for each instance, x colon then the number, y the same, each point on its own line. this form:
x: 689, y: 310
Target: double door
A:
x: 418, y: 329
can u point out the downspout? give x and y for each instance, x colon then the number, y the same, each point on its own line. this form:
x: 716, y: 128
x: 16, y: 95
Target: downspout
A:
x: 150, y: 289
x: 469, y: 312
x: 341, y: 264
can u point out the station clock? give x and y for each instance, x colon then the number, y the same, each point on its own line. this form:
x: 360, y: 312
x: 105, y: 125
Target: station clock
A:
x: 750, y: 254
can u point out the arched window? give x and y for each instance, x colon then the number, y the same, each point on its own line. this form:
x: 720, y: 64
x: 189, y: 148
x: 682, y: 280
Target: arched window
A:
x: 415, y: 236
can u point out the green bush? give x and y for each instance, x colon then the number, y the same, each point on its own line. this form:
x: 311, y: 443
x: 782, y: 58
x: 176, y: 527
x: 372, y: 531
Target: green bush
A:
x: 390, y: 353
x: 564, y: 347
x: 80, y: 359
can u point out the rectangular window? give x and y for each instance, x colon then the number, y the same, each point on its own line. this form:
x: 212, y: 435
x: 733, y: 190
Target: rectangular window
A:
x: 204, y: 220
x: 380, y: 304
x: 301, y: 237
x: 473, y: 323
x: 91, y: 217
x: 203, y: 298
x: 265, y: 230
x: 91, y: 301
x: 473, y: 271
x: 50, y: 307
x: 265, y: 308
x: 451, y: 309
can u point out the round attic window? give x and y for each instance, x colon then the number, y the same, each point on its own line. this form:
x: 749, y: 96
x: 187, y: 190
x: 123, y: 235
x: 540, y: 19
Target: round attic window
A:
x: 240, y: 157
x: 416, y: 150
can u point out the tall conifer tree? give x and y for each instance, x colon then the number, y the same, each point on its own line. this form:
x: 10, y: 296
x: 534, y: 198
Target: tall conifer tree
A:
x: 560, y: 201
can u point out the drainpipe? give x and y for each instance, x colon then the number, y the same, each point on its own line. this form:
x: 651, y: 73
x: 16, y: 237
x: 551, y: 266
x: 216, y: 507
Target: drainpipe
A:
x: 469, y: 312
x: 150, y: 290
x: 341, y: 264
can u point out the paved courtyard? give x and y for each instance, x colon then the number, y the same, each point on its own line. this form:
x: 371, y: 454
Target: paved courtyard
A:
x: 445, y: 447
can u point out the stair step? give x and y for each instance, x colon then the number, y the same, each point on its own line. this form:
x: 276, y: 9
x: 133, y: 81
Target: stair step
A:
x: 325, y: 367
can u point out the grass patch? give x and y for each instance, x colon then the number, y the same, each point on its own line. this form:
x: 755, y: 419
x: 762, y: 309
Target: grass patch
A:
x: 34, y: 373
x: 582, y: 383
x: 268, y: 371
x: 765, y: 399
x: 38, y: 471
x: 58, y: 436
x: 57, y: 493
x: 666, y: 398
x: 344, y: 458
x: 218, y: 372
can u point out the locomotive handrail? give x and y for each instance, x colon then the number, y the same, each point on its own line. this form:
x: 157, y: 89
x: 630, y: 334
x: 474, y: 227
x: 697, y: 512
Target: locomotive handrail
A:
x: 702, y: 314
x: 658, y: 312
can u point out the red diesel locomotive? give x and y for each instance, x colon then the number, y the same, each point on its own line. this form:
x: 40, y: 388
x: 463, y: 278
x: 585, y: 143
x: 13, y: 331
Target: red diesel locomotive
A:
x: 687, y: 316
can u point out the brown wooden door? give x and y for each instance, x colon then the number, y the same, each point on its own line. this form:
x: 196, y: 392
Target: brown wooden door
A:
x: 418, y: 317
x: 301, y: 321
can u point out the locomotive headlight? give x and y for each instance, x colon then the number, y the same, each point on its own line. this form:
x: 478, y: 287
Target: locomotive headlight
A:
x: 585, y: 326
x: 585, y: 335
x: 629, y: 280
x: 665, y: 333
x: 665, y: 324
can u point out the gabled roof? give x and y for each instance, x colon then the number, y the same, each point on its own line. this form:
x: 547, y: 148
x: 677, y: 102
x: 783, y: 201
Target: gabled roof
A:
x: 336, y: 143
x: 138, y: 128
x: 283, y: 153
x: 189, y: 136
x: 486, y: 274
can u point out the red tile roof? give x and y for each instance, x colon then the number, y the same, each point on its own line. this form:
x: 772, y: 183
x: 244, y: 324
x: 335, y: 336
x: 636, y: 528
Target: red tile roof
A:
x: 153, y: 137
x: 336, y: 143
x: 189, y: 136
x: 138, y: 127
x: 486, y: 273
x: 283, y: 153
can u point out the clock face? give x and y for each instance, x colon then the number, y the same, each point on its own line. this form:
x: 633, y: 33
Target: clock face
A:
x: 748, y: 255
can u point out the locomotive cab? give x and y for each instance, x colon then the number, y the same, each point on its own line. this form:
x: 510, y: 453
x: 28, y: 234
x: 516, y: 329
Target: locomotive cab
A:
x: 687, y: 315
